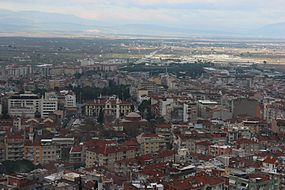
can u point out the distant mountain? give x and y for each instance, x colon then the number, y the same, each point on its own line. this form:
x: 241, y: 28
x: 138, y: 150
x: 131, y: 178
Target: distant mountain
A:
x: 53, y: 23
x: 272, y: 30
x: 35, y: 21
x: 32, y: 21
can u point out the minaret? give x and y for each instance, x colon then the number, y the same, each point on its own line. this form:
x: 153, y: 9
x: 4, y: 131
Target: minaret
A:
x: 117, y: 108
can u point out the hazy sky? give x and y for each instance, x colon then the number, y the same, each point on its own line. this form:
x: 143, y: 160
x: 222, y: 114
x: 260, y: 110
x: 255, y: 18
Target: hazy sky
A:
x: 229, y: 14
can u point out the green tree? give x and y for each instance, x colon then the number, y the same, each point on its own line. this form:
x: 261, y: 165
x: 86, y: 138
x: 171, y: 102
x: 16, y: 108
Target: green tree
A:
x: 145, y: 109
x: 101, y: 116
x: 18, y: 166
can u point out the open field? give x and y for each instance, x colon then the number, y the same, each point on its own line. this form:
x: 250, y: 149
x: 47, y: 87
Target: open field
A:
x: 66, y: 50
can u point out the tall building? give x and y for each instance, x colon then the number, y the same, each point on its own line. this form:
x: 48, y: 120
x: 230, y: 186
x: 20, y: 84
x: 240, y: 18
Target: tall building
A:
x: 49, y: 104
x: 29, y: 105
x: 205, y: 108
x: 245, y: 107
x: 24, y: 105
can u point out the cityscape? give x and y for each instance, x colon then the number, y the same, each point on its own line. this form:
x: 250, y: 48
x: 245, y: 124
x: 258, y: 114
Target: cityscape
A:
x: 157, y: 109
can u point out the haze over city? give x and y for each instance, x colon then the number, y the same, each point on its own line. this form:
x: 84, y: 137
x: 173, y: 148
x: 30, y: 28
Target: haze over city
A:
x: 211, y: 17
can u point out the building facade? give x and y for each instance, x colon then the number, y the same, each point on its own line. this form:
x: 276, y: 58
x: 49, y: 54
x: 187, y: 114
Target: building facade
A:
x: 14, y: 147
x: 24, y: 105
x: 110, y: 106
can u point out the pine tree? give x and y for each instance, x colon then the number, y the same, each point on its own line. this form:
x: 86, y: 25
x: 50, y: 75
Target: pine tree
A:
x: 100, y: 118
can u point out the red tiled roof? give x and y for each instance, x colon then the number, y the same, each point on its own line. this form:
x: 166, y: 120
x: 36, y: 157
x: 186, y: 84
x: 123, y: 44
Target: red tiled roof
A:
x: 164, y: 125
x: 106, y: 149
x: 195, y: 182
x: 143, y: 158
x: 204, y: 143
x: 131, y: 142
x: 258, y: 175
x: 93, y: 143
x: 150, y: 135
x: 245, y: 141
x: 14, y: 137
x: 201, y: 156
x: 75, y: 149
x: 166, y: 153
x: 155, y: 170
x: 267, y: 138
x: 270, y: 160
x: 219, y: 135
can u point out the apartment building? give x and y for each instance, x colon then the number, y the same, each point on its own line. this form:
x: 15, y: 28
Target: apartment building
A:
x: 165, y: 131
x: 246, y: 106
x: 49, y: 104
x: 41, y: 152
x: 205, y: 108
x: 76, y: 155
x: 30, y: 105
x: 150, y: 143
x: 50, y: 151
x: 14, y: 147
x: 108, y: 154
x: 218, y: 150
x: 33, y: 152
x: 253, y: 181
x: 24, y: 105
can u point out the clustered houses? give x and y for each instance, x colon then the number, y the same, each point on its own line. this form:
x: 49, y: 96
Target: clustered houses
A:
x: 220, y: 131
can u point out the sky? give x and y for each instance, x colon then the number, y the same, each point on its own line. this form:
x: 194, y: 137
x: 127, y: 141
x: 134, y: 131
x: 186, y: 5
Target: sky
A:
x: 203, y: 14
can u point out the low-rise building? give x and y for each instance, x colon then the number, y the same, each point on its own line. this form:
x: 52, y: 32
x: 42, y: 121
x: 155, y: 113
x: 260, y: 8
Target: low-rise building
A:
x: 253, y: 181
x: 218, y: 150
x: 150, y: 143
x: 108, y: 154
x: 165, y: 131
x: 42, y: 152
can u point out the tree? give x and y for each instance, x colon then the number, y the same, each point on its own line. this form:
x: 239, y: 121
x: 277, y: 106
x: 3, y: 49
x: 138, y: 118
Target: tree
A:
x: 18, y: 166
x: 145, y: 109
x: 77, y: 75
x: 101, y: 116
x: 143, y: 106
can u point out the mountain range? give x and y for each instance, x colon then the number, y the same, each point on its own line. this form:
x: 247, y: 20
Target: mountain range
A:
x: 33, y: 22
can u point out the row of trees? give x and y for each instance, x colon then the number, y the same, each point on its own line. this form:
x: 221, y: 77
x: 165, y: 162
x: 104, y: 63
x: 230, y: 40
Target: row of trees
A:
x: 193, y: 70
x: 91, y: 93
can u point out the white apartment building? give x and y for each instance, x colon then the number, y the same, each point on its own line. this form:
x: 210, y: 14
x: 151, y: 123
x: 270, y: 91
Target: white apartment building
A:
x: 24, y: 105
x: 49, y: 104
x: 28, y: 105
x: 70, y: 101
